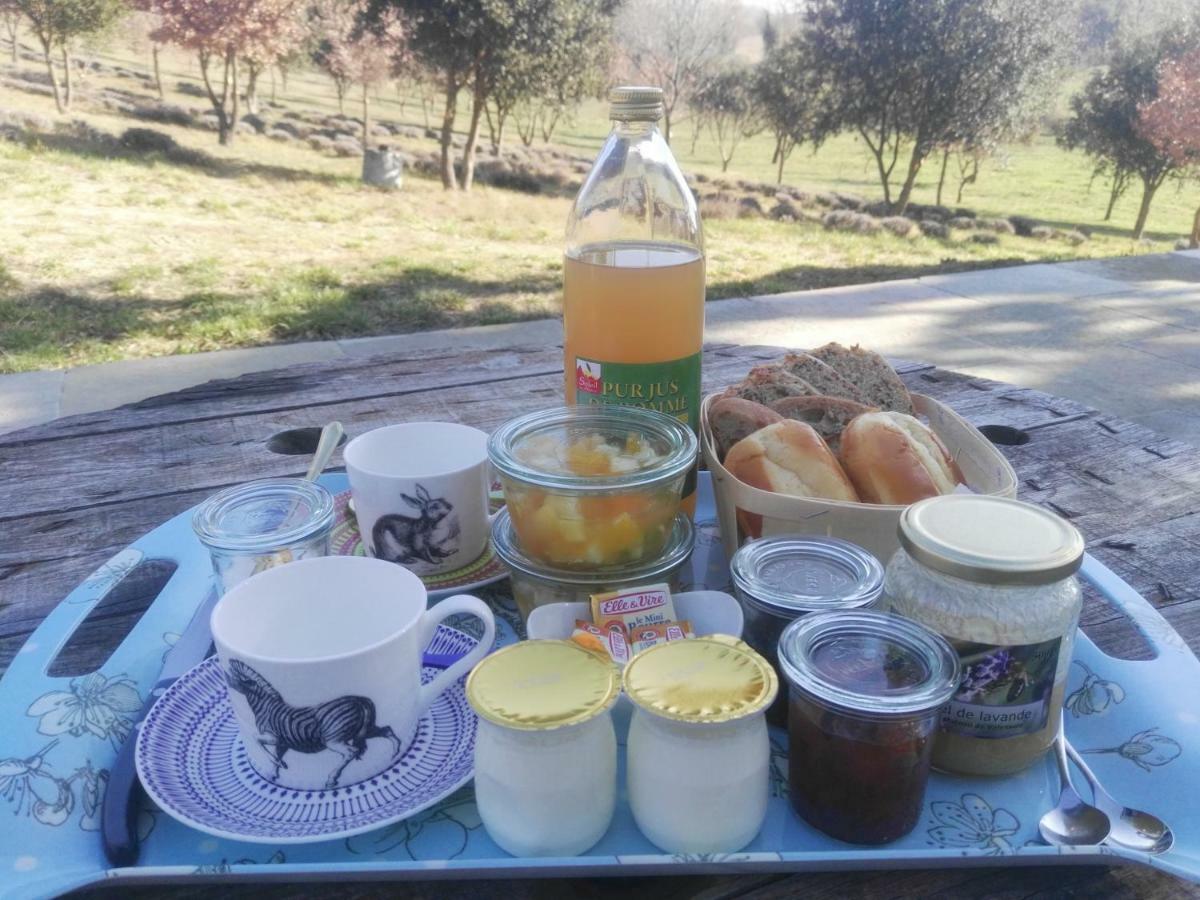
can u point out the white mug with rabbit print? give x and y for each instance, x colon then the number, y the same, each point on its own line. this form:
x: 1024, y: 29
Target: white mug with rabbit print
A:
x: 421, y: 494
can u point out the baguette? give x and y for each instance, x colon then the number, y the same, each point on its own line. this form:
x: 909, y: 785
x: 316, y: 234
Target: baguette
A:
x: 892, y: 458
x: 766, y: 384
x: 826, y: 379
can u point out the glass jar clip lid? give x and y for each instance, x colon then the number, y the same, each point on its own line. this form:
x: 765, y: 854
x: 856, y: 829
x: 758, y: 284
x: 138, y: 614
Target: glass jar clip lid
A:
x: 869, y: 663
x: 264, y: 515
x: 790, y: 575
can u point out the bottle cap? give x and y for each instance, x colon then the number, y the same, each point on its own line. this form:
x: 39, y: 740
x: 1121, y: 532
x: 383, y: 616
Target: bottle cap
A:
x: 633, y: 103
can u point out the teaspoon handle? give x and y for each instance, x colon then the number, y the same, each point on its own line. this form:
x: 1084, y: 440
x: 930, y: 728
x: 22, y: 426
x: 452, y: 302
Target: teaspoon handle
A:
x: 330, y: 435
x: 1083, y: 767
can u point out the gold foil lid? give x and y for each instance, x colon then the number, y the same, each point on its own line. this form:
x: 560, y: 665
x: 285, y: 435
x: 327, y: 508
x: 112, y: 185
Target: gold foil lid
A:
x: 540, y: 685
x: 708, y: 679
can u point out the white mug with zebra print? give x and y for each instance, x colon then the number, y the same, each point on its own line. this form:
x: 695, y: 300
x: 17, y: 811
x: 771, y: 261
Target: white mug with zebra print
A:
x: 322, y: 658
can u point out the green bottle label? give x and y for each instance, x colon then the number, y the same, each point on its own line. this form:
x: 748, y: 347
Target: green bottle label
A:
x: 671, y: 387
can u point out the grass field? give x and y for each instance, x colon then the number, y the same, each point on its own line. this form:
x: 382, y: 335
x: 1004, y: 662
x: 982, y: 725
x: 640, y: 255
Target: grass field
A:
x: 107, y: 258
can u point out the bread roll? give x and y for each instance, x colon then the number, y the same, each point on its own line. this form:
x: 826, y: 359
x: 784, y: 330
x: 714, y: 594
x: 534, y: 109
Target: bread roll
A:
x: 892, y: 458
x: 731, y: 418
x: 789, y: 458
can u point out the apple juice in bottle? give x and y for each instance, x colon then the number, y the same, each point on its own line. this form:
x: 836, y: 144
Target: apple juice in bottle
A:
x: 633, y: 286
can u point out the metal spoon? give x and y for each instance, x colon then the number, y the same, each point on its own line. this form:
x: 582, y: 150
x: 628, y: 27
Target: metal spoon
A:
x: 1072, y: 822
x: 331, y: 435
x: 1131, y: 828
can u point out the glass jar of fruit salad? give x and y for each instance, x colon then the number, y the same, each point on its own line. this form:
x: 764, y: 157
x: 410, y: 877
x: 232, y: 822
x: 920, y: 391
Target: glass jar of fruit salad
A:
x: 592, y: 487
x: 996, y: 577
x: 865, y: 692
x: 779, y: 579
x: 545, y: 751
x: 536, y: 584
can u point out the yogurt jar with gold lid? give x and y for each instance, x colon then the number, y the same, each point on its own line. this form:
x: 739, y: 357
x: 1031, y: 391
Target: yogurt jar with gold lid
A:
x: 698, y: 742
x: 995, y: 577
x: 545, y: 751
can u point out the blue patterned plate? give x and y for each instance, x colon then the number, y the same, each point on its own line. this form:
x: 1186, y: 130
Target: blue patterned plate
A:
x: 193, y: 765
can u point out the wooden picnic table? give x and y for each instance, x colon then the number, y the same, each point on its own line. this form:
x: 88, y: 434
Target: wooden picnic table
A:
x: 77, y: 490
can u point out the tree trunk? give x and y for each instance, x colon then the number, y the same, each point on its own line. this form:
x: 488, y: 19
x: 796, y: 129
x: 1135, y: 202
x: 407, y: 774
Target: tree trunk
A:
x: 782, y: 152
x: 58, y: 104
x: 233, y: 95
x: 1118, y: 188
x: 340, y: 86
x: 66, y: 62
x: 366, y: 132
x: 1148, y: 190
x: 12, y: 24
x: 942, y: 177
x: 967, y: 179
x: 449, y: 180
x: 158, y: 85
x: 272, y: 85
x: 666, y: 132
x: 283, y: 75
x: 910, y: 180
x: 884, y: 172
x: 1194, y: 238
x: 550, y: 122
x: 479, y: 102
x: 252, y: 89
x: 491, y: 125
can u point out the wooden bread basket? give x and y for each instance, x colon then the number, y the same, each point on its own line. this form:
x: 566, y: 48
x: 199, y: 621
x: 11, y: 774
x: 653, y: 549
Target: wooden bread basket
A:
x: 747, y: 512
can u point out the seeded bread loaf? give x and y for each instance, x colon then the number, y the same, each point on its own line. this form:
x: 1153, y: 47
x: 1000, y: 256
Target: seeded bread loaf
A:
x: 731, y: 418
x: 822, y: 376
x: 877, y: 381
x: 766, y: 384
x: 827, y: 415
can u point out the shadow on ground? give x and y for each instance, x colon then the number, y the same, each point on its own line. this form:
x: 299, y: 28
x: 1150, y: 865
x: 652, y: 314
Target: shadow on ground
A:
x: 99, y: 145
x: 88, y: 322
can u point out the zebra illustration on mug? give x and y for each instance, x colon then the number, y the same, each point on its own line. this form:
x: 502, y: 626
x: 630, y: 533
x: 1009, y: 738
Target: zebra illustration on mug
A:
x: 343, y: 725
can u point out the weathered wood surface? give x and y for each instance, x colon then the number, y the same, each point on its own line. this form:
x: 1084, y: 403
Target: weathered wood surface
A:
x: 77, y: 490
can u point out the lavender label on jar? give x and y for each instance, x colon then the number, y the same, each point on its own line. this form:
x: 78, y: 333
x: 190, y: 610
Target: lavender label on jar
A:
x: 1004, y: 691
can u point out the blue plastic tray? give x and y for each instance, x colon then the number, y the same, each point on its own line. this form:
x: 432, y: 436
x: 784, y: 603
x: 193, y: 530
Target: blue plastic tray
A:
x: 1139, y: 722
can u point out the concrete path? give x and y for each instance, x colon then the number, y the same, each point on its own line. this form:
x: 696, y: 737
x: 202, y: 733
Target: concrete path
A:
x: 1120, y: 334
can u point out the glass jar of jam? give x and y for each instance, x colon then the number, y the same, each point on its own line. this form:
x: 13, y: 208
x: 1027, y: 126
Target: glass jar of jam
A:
x: 865, y: 693
x: 779, y: 579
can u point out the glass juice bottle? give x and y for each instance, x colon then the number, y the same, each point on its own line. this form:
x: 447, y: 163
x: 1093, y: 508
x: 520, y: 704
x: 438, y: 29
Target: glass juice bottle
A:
x: 633, y: 286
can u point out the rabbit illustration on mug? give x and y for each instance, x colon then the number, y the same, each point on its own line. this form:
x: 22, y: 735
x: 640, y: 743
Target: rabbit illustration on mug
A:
x: 405, y: 539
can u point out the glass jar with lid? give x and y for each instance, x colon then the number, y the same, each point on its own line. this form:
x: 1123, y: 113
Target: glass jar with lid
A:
x: 251, y: 527
x: 535, y: 583
x: 996, y: 578
x: 545, y: 751
x: 778, y: 579
x: 698, y: 754
x: 865, y: 692
x: 593, y: 487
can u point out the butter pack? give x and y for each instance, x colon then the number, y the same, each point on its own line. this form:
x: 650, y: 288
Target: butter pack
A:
x: 634, y: 607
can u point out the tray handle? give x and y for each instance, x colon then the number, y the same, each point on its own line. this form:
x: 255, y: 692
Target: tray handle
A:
x: 1158, y: 632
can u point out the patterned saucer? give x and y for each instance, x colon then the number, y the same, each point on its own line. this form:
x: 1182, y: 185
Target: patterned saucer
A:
x: 346, y: 541
x: 193, y: 765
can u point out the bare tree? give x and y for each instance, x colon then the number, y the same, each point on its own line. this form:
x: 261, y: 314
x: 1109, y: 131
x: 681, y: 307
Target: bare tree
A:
x: 10, y: 16
x: 676, y: 45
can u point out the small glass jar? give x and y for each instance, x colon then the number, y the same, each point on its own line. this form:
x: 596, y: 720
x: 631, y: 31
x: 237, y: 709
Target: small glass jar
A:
x: 779, y: 579
x: 545, y: 751
x: 254, y: 526
x: 865, y: 691
x: 536, y: 584
x: 996, y: 578
x: 593, y: 487
x: 698, y: 753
